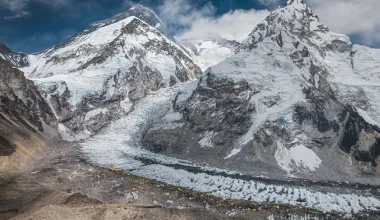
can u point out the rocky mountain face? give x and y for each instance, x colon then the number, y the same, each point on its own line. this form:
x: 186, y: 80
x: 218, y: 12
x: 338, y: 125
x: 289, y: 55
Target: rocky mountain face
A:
x: 14, y: 58
x: 296, y: 99
x: 210, y: 51
x: 21, y: 103
x: 26, y: 119
x: 96, y: 76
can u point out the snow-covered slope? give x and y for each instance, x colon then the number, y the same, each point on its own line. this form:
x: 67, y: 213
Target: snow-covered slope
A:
x: 118, y: 146
x: 97, y: 75
x: 209, y: 51
x: 279, y: 112
x: 14, y: 58
x: 285, y: 102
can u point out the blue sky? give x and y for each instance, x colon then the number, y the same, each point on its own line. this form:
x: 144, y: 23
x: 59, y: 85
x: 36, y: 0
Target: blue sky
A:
x: 33, y: 25
x: 38, y: 25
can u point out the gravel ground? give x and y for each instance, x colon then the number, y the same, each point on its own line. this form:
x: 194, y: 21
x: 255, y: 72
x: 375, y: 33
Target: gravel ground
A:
x: 61, y: 185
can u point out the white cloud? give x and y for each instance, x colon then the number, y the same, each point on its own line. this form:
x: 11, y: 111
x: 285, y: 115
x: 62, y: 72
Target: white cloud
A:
x: 359, y: 19
x: 18, y: 8
x: 177, y: 14
x: 351, y: 17
x: 192, y: 22
x: 16, y: 15
x: 15, y: 7
x: 234, y: 25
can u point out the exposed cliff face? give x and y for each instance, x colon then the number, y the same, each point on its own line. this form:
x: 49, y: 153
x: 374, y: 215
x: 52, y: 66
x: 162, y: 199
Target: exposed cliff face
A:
x: 21, y: 103
x: 14, y: 58
x: 26, y: 120
x: 280, y: 104
x: 98, y: 75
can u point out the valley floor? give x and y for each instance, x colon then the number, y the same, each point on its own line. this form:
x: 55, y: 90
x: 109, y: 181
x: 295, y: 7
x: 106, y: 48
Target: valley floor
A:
x: 63, y: 186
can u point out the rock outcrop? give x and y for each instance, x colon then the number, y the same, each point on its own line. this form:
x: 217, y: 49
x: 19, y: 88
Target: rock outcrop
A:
x: 27, y: 122
x: 14, y: 58
x: 21, y: 103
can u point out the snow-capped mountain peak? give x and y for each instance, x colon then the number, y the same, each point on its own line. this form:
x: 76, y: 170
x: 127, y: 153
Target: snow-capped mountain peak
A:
x: 145, y: 14
x: 293, y: 2
x: 292, y: 86
x: 103, y: 70
x: 282, y: 106
x: 100, y: 33
x: 14, y: 58
x: 294, y: 100
x: 296, y: 22
x: 139, y: 11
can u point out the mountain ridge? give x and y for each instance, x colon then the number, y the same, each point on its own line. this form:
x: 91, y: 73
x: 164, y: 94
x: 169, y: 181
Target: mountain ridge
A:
x: 139, y: 11
x: 280, y: 94
x: 17, y: 59
x: 98, y: 75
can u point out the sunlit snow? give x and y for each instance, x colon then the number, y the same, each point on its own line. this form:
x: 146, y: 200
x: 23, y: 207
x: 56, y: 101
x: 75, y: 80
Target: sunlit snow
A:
x: 297, y: 156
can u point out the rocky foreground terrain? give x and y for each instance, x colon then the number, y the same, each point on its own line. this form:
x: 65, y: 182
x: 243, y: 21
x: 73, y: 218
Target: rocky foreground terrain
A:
x: 120, y: 122
x: 61, y: 185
